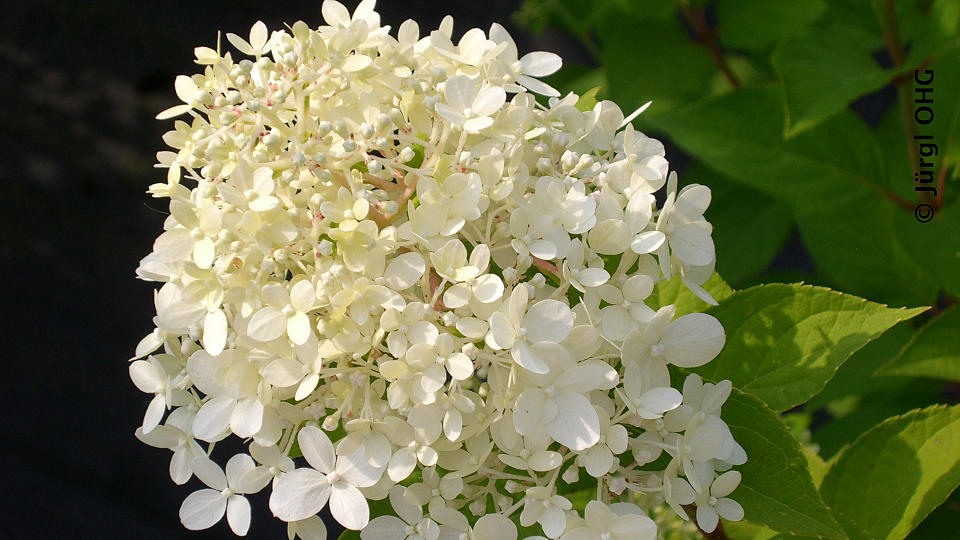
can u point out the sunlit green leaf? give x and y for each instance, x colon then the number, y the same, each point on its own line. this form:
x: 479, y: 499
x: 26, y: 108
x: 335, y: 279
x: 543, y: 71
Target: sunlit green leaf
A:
x: 784, y: 342
x: 887, y: 481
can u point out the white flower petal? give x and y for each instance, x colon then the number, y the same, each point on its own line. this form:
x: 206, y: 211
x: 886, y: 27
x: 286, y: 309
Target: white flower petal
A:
x: 238, y: 514
x: 214, y: 332
x: 495, y: 527
x: 593, y: 277
x: 459, y: 366
x: 647, y: 242
x: 537, y: 86
x: 576, y: 425
x: 335, y: 13
x: 209, y: 473
x: 154, y: 413
x: 693, y: 340
x: 213, y: 418
x: 542, y: 249
x: 384, y: 528
x: 456, y: 296
x: 403, y: 271
x: 299, y: 494
x: 474, y: 125
x: 598, y: 461
x: 540, y: 63
x: 203, y: 252
x: 725, y: 484
x: 267, y: 324
x: 349, y: 506
x: 529, y: 410
x: 692, y: 244
x: 729, y: 509
x: 202, y: 509
x: 501, y: 331
x: 317, y: 449
x: 526, y: 358
x: 707, y: 518
x: 298, y: 328
x: 145, y: 376
x: 549, y: 321
x: 459, y: 91
x: 401, y: 464
x: 471, y: 327
x: 489, y: 100
x: 247, y: 417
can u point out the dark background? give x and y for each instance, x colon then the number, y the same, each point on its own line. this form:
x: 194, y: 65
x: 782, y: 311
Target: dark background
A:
x: 80, y: 84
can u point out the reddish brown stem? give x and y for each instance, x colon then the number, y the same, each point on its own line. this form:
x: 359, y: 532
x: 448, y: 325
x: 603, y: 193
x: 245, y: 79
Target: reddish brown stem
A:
x: 706, y: 36
x: 941, y: 184
x: 546, y: 266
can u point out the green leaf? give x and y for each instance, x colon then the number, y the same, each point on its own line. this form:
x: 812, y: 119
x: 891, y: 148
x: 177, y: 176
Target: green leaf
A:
x: 934, y: 350
x: 777, y: 490
x: 653, y: 60
x: 744, y: 530
x: 588, y: 99
x: 785, y: 341
x: 856, y: 376
x: 817, y: 467
x: 750, y: 24
x: 832, y: 178
x: 890, y: 478
x: 673, y: 291
x: 736, y: 211
x: 942, y: 523
x: 857, y: 414
x: 824, y: 71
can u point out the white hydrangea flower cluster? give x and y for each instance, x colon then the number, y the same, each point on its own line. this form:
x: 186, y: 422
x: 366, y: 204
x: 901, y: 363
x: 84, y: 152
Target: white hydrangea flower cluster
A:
x: 399, y: 265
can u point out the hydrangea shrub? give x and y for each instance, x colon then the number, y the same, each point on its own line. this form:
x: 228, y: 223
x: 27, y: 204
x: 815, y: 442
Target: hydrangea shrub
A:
x: 405, y: 269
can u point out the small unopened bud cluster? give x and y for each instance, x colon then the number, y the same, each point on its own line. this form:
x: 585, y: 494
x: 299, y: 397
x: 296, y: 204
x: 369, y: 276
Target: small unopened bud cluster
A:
x: 403, y: 267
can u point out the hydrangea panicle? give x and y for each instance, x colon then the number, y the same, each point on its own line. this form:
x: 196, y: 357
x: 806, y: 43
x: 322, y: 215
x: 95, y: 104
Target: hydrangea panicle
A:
x: 410, y: 262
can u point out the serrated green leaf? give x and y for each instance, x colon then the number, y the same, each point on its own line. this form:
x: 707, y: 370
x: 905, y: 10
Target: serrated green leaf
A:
x: 785, y: 341
x: 751, y: 24
x: 890, y: 478
x: 803, y: 62
x: 934, y: 350
x: 673, y: 291
x: 777, y: 490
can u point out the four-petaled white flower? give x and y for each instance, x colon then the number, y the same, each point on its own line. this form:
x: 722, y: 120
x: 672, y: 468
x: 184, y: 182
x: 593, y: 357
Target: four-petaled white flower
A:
x: 204, y: 508
x: 467, y: 107
x: 303, y: 492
